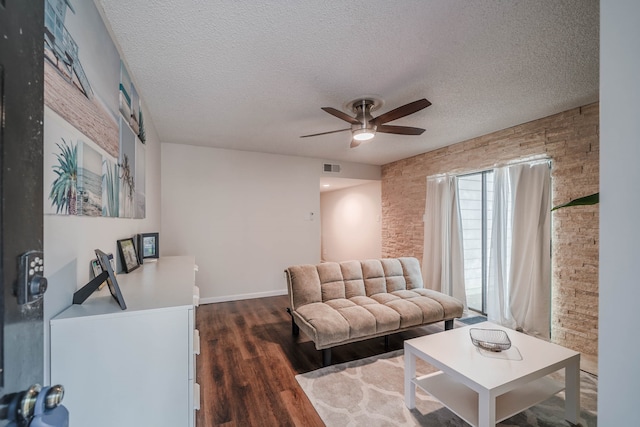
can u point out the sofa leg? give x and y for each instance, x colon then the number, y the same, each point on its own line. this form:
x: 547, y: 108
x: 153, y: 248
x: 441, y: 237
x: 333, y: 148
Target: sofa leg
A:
x: 295, y: 330
x: 386, y: 343
x: 448, y: 324
x: 326, y: 357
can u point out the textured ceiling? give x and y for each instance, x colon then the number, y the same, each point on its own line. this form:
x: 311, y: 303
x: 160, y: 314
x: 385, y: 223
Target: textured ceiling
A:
x: 253, y: 75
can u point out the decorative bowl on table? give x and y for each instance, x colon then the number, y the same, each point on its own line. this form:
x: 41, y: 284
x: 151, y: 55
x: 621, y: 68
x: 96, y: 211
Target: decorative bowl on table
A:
x: 490, y: 339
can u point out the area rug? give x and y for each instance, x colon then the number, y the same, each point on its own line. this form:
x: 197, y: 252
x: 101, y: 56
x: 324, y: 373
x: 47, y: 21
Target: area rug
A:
x: 370, y: 392
x: 472, y: 320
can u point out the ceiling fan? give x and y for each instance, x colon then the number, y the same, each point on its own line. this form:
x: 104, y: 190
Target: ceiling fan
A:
x: 364, y: 126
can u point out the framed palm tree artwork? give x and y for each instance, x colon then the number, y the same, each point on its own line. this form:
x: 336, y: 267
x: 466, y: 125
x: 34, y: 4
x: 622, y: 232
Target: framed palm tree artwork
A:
x: 80, y: 178
x: 64, y: 189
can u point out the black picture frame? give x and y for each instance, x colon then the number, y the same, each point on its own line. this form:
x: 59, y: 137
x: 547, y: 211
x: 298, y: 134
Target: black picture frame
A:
x: 148, y: 246
x: 128, y: 255
x: 106, y: 275
x: 112, y: 283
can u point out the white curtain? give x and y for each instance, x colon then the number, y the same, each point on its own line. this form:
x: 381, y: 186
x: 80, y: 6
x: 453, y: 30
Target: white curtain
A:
x: 443, y: 260
x: 519, y: 283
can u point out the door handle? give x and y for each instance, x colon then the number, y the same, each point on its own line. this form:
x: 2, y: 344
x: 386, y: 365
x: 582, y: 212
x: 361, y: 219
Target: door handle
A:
x: 36, y: 407
x: 48, y: 412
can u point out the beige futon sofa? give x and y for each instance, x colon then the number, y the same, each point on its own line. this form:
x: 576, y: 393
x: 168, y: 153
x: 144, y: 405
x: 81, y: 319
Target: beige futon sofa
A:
x: 339, y: 303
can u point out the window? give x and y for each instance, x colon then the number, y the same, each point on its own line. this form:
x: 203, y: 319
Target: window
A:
x: 489, y: 240
x: 476, y: 201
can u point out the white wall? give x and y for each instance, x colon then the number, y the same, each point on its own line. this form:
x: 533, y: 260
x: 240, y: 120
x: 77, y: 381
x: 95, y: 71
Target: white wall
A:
x: 619, y: 371
x: 69, y: 241
x: 351, y: 226
x: 245, y: 216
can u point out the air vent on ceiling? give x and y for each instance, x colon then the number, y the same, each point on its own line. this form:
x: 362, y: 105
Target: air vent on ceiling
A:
x: 328, y: 167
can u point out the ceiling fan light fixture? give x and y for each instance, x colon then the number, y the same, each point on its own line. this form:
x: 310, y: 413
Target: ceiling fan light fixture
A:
x: 363, y: 134
x: 364, y: 126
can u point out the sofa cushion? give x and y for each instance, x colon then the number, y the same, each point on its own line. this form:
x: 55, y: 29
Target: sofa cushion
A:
x: 412, y: 272
x: 394, y: 275
x: 451, y: 306
x: 410, y: 313
x: 361, y: 321
x: 340, y: 303
x: 384, y: 298
x: 353, y: 281
x: 373, y: 275
x: 329, y: 326
x: 363, y: 300
x: 432, y: 311
x: 387, y: 319
x: 405, y: 294
x: 304, y: 285
x: 365, y: 316
x: 331, y: 281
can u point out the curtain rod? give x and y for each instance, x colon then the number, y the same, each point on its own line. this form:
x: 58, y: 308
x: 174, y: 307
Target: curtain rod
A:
x: 460, y: 172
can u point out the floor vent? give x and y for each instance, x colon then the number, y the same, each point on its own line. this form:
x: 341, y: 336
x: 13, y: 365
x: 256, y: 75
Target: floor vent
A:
x: 328, y: 167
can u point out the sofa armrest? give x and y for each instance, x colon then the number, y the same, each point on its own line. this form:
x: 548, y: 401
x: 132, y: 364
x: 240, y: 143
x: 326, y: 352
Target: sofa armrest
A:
x: 303, y: 285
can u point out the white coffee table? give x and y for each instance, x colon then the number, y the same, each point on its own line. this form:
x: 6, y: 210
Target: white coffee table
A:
x: 484, y: 388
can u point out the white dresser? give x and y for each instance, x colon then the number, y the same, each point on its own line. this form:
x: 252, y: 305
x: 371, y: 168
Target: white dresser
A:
x: 133, y: 367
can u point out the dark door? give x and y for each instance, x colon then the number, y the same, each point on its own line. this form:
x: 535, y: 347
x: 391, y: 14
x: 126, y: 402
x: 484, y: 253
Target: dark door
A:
x: 21, y: 169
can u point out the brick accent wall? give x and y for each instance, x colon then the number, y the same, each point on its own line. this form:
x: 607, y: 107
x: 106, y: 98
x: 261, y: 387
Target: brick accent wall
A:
x: 571, y: 140
x: 88, y: 117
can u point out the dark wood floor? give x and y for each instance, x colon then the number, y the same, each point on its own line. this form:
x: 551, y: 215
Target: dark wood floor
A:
x: 249, y: 359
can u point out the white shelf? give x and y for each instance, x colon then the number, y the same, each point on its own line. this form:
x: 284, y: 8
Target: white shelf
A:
x: 463, y: 401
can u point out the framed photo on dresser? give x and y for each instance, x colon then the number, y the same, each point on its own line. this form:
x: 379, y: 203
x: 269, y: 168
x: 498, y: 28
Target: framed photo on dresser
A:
x: 128, y: 255
x: 148, y: 246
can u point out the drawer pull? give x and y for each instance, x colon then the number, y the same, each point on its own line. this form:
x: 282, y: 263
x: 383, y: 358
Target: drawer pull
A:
x: 196, y: 396
x: 196, y: 341
x: 196, y: 296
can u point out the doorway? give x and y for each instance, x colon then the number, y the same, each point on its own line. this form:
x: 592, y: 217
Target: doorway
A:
x: 351, y: 219
x: 476, y: 213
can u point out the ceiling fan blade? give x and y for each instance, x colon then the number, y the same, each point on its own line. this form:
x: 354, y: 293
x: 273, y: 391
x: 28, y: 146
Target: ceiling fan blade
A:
x: 354, y: 143
x: 405, y: 110
x: 325, y: 133
x: 400, y: 130
x: 339, y: 114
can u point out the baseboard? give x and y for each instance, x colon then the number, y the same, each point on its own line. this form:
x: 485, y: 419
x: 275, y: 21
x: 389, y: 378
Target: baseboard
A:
x: 212, y: 300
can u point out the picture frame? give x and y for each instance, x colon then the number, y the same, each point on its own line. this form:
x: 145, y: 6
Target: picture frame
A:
x: 112, y: 261
x: 128, y: 255
x: 148, y: 246
x: 97, y: 270
x: 106, y: 275
x: 95, y: 267
x: 114, y: 289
